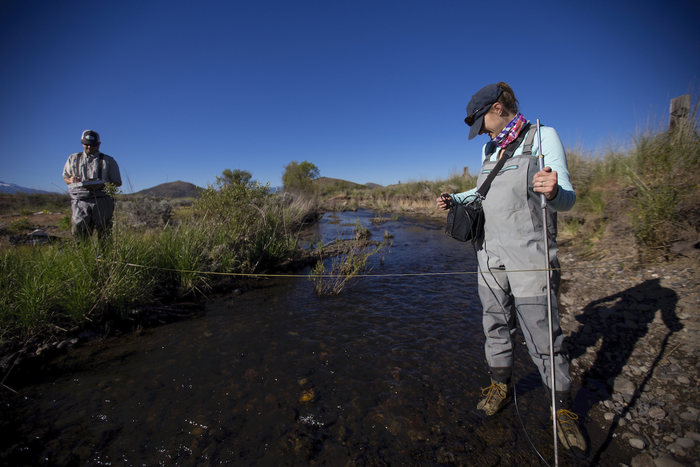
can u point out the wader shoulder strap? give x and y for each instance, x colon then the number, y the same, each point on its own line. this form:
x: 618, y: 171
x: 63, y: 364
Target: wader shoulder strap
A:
x: 510, y: 149
x: 527, y: 148
x: 100, y: 161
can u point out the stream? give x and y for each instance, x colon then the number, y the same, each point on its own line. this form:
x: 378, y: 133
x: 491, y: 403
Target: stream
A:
x: 388, y: 372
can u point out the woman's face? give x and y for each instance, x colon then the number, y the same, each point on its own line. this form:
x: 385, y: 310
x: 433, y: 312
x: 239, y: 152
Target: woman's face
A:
x: 495, y: 121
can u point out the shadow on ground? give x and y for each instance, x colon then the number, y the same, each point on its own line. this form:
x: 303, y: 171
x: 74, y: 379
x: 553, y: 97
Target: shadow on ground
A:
x: 616, y: 323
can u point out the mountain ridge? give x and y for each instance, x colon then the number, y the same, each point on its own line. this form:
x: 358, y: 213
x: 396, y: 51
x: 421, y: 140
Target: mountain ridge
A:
x: 11, y: 188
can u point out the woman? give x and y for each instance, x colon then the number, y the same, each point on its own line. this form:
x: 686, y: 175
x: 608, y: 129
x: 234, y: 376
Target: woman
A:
x: 513, y: 242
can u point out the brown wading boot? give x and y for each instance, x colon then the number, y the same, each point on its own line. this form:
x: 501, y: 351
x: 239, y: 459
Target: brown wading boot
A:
x: 496, y: 397
x: 569, y: 432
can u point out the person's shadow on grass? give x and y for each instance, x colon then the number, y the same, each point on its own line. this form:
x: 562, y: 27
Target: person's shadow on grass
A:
x: 619, y: 321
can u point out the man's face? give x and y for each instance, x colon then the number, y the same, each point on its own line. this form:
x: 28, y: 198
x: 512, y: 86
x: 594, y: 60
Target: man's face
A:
x: 91, y: 148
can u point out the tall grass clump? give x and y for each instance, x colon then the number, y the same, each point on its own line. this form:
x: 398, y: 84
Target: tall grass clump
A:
x: 180, y: 256
x: 333, y: 279
x: 259, y: 226
x: 660, y: 170
x: 332, y: 276
x: 662, y: 166
x: 61, y: 285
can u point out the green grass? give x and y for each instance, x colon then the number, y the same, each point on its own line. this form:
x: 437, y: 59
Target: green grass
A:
x: 19, y: 224
x: 660, y: 169
x: 65, y: 222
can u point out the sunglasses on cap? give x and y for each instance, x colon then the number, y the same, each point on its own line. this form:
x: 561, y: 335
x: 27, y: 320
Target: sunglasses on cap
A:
x: 470, y: 118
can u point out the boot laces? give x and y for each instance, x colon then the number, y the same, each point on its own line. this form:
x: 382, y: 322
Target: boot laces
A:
x: 567, y: 420
x: 494, y: 390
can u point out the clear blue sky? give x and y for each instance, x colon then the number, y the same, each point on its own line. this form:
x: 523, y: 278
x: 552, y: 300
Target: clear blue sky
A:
x: 369, y: 91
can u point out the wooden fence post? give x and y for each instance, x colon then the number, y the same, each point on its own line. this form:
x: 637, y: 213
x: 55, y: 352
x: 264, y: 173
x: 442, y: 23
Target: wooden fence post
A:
x: 680, y: 109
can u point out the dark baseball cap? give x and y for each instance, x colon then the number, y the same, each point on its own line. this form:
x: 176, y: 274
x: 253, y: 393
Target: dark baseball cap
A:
x: 479, y: 105
x: 90, y: 137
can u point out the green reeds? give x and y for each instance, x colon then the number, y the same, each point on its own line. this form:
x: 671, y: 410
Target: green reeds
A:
x: 332, y: 276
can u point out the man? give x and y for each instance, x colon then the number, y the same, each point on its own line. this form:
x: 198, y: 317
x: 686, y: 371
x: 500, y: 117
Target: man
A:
x: 86, y: 173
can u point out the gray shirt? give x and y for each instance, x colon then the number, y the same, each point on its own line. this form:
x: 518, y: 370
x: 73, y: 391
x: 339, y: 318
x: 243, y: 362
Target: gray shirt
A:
x: 86, y: 167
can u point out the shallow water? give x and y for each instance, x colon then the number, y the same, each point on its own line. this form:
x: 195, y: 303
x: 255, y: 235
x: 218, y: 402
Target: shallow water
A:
x: 387, y: 373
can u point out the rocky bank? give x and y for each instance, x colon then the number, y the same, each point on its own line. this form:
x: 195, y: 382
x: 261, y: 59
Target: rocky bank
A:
x: 633, y: 333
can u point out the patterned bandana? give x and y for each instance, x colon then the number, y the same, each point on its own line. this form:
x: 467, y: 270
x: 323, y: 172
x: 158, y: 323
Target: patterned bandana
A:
x: 510, y: 132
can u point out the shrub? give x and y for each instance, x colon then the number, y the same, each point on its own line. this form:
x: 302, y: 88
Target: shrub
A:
x: 259, y: 226
x: 146, y: 212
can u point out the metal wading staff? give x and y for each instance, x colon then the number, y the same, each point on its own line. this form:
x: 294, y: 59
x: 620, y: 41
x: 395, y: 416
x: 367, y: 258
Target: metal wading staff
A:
x: 540, y: 160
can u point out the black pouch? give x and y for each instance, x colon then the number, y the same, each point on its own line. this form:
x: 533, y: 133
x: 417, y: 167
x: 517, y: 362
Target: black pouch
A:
x: 465, y: 222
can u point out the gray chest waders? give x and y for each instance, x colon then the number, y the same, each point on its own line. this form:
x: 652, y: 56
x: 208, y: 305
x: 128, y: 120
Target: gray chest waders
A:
x: 519, y: 235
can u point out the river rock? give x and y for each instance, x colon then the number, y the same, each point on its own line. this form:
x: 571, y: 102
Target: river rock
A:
x: 676, y: 448
x: 643, y: 460
x: 683, y: 380
x: 686, y: 443
x: 638, y: 296
x: 657, y: 413
x: 667, y: 462
x: 637, y: 443
x: 645, y: 344
x: 624, y: 386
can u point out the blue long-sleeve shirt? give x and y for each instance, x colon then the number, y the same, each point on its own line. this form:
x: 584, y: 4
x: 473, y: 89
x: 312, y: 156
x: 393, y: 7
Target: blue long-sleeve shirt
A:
x: 554, y: 157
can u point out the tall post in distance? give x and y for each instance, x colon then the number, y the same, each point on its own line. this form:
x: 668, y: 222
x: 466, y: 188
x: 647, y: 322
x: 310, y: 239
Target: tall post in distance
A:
x: 680, y: 109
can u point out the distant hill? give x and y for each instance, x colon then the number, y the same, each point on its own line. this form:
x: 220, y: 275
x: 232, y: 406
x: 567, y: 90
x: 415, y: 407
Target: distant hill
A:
x: 173, y: 190
x: 335, y: 183
x: 11, y: 188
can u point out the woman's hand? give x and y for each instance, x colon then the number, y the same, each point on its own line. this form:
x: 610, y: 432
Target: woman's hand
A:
x: 547, y: 182
x: 441, y: 204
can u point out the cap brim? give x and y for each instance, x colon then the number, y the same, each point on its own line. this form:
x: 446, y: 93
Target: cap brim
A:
x: 476, y: 127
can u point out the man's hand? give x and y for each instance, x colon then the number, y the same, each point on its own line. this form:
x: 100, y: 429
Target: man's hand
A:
x: 71, y: 179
